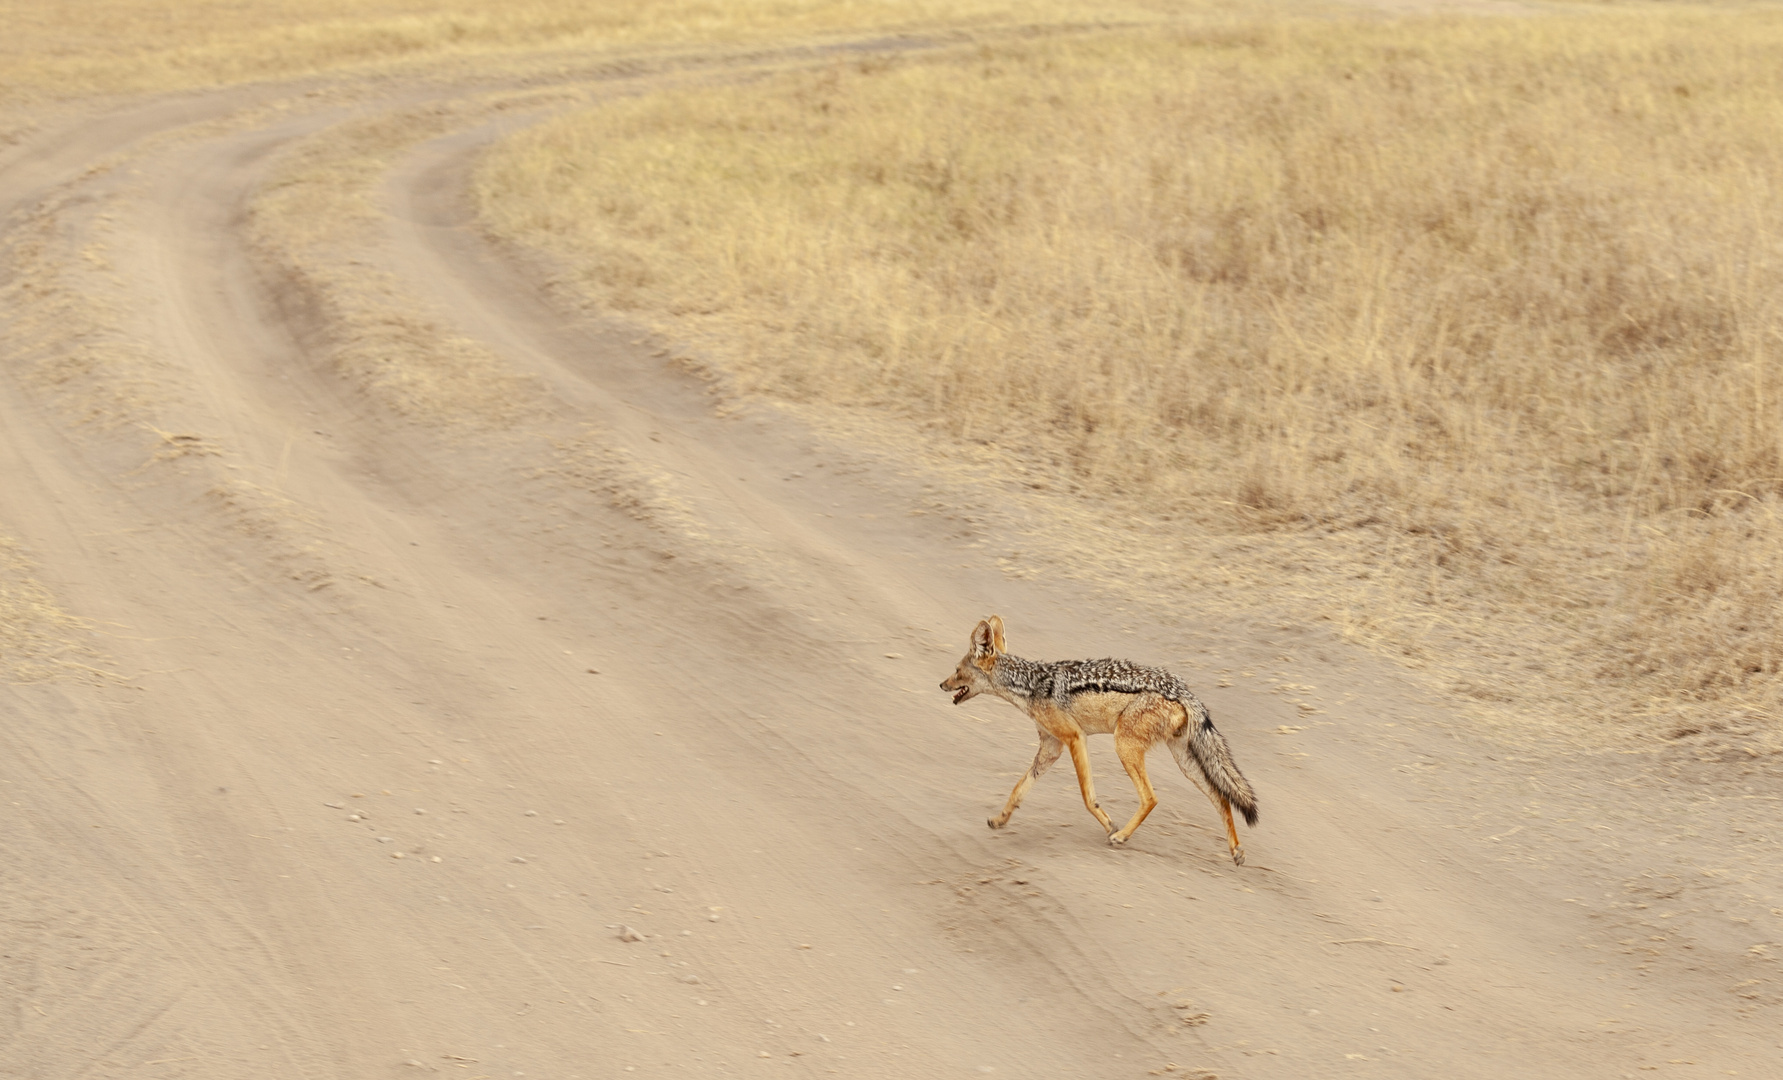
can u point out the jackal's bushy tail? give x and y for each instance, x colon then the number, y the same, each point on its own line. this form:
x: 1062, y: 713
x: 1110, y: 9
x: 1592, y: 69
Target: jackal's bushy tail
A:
x: 1201, y: 745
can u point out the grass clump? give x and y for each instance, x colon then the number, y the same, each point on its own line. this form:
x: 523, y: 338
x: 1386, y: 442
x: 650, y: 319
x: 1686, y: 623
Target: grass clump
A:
x: 1490, y: 309
x: 38, y: 640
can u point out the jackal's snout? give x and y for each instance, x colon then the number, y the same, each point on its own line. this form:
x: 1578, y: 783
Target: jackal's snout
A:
x: 972, y: 677
x: 959, y: 685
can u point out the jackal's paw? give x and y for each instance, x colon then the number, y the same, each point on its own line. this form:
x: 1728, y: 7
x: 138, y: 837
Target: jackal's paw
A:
x: 1117, y: 839
x: 1238, y: 856
x: 996, y: 823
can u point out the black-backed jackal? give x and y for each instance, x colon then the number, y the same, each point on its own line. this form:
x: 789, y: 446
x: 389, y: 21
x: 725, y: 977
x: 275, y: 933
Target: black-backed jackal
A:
x: 1139, y: 706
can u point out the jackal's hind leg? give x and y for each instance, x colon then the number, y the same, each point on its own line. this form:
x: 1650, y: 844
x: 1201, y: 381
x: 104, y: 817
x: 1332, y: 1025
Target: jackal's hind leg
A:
x: 1132, y: 754
x: 1231, y: 830
x: 1221, y: 804
x: 1049, y: 751
x: 1080, y: 759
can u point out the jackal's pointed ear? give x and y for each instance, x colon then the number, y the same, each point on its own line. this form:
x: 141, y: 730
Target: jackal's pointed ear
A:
x: 983, y: 639
x: 995, y: 622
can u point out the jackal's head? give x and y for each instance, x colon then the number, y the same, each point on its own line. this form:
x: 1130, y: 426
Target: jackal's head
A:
x: 973, y: 676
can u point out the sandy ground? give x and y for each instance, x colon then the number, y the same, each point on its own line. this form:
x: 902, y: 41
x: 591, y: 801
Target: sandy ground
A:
x: 405, y: 719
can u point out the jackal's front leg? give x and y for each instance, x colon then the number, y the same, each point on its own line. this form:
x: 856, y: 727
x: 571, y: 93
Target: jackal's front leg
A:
x: 1049, y: 751
x: 1080, y: 759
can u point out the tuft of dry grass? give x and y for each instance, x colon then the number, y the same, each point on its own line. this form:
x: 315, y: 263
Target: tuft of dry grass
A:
x: 315, y: 227
x: 1488, y: 312
x: 37, y: 638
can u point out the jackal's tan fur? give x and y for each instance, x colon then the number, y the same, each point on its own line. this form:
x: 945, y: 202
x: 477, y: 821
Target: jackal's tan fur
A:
x: 1139, y: 706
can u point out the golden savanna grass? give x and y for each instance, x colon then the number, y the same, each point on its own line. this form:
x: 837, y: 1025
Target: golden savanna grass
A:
x: 1489, y: 312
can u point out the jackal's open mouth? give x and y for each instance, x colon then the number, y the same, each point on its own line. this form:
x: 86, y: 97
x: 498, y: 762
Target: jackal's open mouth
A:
x: 960, y: 694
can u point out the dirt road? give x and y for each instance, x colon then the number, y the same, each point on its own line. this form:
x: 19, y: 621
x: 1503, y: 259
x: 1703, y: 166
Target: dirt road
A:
x: 394, y: 717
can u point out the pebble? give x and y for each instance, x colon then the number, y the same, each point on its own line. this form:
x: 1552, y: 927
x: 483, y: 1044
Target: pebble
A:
x: 687, y: 933
x: 594, y: 671
x: 558, y: 821
x: 894, y: 656
x: 764, y: 1053
x: 518, y: 858
x: 396, y: 855
x: 626, y: 933
x: 336, y: 805
x: 436, y: 858
x: 418, y: 810
x: 532, y: 813
x: 896, y: 986
x: 690, y: 979
x: 384, y: 839
x: 355, y: 817
x: 712, y: 918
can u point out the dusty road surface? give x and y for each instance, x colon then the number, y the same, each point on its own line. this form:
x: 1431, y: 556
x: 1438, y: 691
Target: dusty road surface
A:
x: 437, y: 630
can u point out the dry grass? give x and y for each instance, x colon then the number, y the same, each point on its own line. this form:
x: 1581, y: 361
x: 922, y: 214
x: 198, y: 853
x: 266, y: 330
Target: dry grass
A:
x: 120, y: 46
x: 37, y: 638
x: 1488, y: 313
x: 317, y: 229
